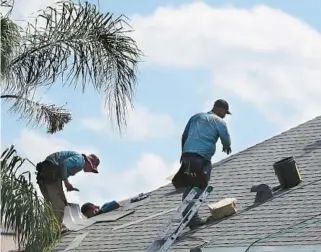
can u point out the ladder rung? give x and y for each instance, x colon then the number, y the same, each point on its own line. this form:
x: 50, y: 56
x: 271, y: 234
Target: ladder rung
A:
x: 176, y: 219
x: 165, y: 243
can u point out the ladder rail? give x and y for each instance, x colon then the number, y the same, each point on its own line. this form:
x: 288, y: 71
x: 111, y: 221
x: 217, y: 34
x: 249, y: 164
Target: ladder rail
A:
x: 158, y: 245
x: 181, y: 208
x: 186, y: 219
x: 177, y: 214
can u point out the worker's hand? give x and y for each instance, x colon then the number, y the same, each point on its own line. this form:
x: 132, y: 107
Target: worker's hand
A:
x: 228, y: 150
x: 68, y: 186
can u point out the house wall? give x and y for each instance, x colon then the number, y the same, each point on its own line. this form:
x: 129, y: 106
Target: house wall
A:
x: 8, y: 243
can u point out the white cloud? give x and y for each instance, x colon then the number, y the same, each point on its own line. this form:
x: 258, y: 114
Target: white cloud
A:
x: 148, y: 173
x: 112, y: 183
x: 261, y: 55
x: 142, y: 124
x: 38, y: 146
x: 27, y: 10
x: 94, y: 124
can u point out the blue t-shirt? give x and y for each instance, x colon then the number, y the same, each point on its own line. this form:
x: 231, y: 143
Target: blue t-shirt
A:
x: 70, y: 162
x: 109, y: 206
x: 202, y: 132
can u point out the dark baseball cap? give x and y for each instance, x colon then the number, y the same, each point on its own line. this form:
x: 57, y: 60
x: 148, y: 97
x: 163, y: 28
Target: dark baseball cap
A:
x: 220, y: 103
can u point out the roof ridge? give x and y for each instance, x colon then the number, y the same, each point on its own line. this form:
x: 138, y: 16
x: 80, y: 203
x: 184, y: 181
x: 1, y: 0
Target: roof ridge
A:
x: 225, y: 160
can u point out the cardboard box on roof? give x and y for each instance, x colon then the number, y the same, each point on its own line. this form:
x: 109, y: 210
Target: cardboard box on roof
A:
x: 223, y: 208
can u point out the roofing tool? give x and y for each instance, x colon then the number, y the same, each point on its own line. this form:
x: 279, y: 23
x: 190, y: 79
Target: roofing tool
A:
x: 178, y: 221
x: 140, y: 197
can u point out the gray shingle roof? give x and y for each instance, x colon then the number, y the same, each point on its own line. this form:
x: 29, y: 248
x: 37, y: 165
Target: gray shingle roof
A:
x: 232, y: 177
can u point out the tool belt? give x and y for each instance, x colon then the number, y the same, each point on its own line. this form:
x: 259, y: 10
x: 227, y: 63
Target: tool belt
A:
x: 191, y: 172
x: 47, y: 172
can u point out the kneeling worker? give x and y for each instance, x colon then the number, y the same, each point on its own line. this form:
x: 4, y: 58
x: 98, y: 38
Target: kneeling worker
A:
x: 57, y: 168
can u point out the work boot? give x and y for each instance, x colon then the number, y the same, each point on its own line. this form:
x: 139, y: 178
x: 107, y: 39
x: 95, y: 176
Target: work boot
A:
x: 196, y: 222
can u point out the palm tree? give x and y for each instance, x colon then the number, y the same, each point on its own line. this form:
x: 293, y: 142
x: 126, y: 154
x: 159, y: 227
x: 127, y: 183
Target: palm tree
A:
x: 76, y: 44
x: 22, y: 210
x: 80, y: 46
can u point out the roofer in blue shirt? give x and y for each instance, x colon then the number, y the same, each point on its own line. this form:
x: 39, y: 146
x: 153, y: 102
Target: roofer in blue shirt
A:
x: 198, y: 147
x: 55, y: 170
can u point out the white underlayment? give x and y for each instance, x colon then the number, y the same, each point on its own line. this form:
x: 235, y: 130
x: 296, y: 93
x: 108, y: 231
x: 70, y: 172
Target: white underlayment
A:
x: 75, y: 221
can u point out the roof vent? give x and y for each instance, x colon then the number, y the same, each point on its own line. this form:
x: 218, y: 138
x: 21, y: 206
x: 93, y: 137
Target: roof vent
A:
x: 287, y: 172
x: 263, y: 193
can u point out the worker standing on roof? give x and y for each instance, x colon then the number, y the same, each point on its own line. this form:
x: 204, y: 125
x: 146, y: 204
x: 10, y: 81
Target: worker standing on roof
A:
x: 57, y: 168
x: 198, y: 146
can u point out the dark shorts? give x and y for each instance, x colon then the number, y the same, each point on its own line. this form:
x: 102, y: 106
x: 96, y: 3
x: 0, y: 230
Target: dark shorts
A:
x: 47, y: 172
x: 194, y: 171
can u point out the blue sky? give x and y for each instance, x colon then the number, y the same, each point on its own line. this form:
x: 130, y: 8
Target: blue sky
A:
x: 261, y: 56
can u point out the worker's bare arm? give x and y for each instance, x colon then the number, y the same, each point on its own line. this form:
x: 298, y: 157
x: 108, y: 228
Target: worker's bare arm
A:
x: 68, y: 186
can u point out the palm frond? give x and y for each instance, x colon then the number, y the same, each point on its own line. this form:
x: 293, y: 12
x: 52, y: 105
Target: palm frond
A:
x: 22, y: 210
x: 10, y: 39
x: 38, y: 113
x: 7, y: 4
x: 81, y: 46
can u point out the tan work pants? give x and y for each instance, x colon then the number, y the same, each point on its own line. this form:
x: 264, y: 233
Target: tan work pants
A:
x: 54, y: 193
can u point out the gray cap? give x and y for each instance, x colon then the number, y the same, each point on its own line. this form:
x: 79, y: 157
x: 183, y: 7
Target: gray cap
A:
x: 222, y: 104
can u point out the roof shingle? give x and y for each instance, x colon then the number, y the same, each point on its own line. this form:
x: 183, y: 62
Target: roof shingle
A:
x: 232, y: 177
